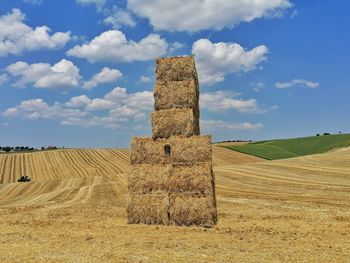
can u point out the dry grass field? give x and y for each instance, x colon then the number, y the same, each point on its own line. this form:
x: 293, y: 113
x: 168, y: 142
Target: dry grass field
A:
x: 292, y: 210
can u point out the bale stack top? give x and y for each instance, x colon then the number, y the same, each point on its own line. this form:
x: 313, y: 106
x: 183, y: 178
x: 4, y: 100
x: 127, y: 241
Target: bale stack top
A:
x: 176, y: 98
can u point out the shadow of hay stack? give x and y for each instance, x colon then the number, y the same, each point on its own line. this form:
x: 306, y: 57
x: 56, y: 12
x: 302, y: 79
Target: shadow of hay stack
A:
x: 171, y: 180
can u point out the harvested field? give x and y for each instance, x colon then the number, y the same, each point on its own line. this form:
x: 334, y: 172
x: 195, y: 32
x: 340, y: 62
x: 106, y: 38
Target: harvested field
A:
x: 289, y: 210
x: 224, y: 156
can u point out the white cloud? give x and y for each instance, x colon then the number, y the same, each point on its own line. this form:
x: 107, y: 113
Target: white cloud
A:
x: 16, y: 37
x: 197, y: 15
x: 145, y: 79
x: 100, y: 104
x: 3, y: 79
x: 106, y: 75
x: 258, y: 86
x: 215, y: 60
x: 62, y: 75
x: 214, y: 125
x: 98, y: 3
x: 297, y: 83
x: 225, y: 100
x: 142, y: 100
x: 119, y: 17
x: 39, y: 109
x: 114, y: 108
x: 175, y: 47
x: 113, y: 15
x: 113, y: 46
x: 78, y: 101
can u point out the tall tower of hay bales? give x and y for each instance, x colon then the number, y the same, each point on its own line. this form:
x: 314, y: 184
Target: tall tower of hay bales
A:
x: 171, y: 180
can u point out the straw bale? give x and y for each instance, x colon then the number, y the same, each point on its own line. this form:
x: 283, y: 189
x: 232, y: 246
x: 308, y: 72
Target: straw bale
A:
x: 187, y: 210
x: 195, y: 179
x: 166, y: 123
x: 146, y: 178
x: 176, y: 94
x: 176, y: 68
x: 148, y: 208
x: 191, y: 150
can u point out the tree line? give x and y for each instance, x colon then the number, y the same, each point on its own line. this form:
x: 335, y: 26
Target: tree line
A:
x: 24, y: 148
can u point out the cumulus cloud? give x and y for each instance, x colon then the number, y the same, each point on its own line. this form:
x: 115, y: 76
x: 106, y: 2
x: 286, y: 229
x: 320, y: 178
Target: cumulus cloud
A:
x: 98, y: 3
x: 100, y: 104
x: 78, y: 101
x: 297, y: 83
x: 3, y: 79
x: 215, y: 60
x: 225, y: 100
x: 212, y: 125
x: 119, y: 17
x: 110, y: 111
x: 197, y: 15
x: 145, y: 79
x: 16, y: 37
x: 113, y: 15
x: 118, y: 107
x: 113, y: 46
x: 39, y: 109
x: 62, y: 75
x: 106, y: 75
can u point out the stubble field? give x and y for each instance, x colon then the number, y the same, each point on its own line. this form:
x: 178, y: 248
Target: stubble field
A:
x: 295, y: 209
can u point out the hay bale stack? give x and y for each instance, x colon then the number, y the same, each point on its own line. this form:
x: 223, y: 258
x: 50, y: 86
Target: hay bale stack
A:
x: 189, y: 209
x: 151, y: 208
x: 149, y: 178
x: 171, y: 179
x: 183, y: 150
x: 173, y: 122
x: 176, y: 95
x: 176, y: 69
x: 196, y: 179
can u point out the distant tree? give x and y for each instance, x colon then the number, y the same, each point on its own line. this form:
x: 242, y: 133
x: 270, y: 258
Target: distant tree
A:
x: 317, y: 134
x: 42, y: 148
x: 326, y: 133
x: 7, y: 148
x: 340, y: 132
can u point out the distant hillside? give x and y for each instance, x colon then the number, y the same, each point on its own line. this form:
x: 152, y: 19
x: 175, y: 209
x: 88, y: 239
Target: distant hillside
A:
x: 287, y: 148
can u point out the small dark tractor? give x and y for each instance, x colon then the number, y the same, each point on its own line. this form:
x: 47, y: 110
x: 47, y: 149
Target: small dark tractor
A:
x: 24, y: 178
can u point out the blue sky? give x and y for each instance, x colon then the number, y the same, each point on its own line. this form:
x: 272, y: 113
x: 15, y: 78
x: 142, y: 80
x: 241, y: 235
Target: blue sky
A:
x: 80, y: 73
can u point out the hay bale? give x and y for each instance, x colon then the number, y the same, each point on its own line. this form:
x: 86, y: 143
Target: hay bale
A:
x: 188, y: 209
x: 191, y: 150
x: 195, y: 179
x: 176, y: 68
x: 147, y: 178
x: 148, y: 208
x: 176, y: 94
x: 166, y: 123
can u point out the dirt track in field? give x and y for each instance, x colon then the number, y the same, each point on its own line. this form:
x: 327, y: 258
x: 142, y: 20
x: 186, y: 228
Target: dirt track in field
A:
x: 269, y: 211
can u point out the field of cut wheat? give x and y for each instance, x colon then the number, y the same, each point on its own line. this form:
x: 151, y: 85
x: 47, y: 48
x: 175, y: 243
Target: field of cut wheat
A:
x: 292, y: 210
